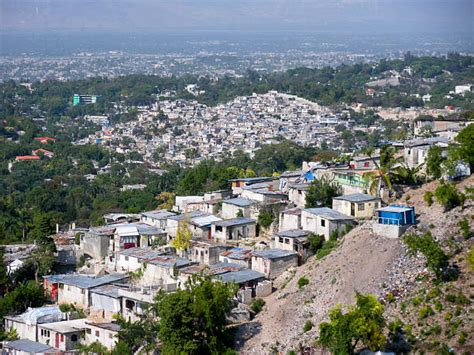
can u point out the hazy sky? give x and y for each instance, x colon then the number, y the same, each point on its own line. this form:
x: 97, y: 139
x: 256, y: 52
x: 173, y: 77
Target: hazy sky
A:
x: 393, y: 16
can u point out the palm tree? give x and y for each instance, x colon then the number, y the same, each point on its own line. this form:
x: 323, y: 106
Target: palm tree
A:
x: 385, y: 170
x: 408, y: 176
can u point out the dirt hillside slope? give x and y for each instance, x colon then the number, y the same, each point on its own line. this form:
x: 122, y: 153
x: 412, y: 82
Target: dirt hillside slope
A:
x: 363, y: 262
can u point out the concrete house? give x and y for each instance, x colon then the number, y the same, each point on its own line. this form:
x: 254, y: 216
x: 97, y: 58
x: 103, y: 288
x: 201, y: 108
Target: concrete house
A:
x: 288, y: 178
x: 26, y: 323
x: 237, y: 256
x: 273, y: 262
x: 126, y: 236
x: 239, y: 184
x: 356, y: 205
x: 231, y: 208
x: 106, y: 301
x: 76, y: 289
x: 323, y: 221
x: 415, y: 151
x: 198, y: 223
x: 130, y: 260
x: 251, y: 284
x: 234, y: 229
x: 364, y: 162
x: 163, y: 270
x: 263, y: 196
x: 201, y: 227
x: 290, y: 219
x: 156, y: 218
x: 297, y: 194
x: 293, y: 240
x: 64, y: 336
x: 98, y: 242
x: 352, y: 180
x: 104, y: 333
x: 26, y: 347
x: 206, y: 252
x: 394, y: 220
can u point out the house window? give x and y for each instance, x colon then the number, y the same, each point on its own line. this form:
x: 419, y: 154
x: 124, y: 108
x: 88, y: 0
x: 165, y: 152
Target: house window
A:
x: 280, y: 239
x: 62, y: 337
x: 97, y: 333
x: 366, y: 164
x: 74, y: 337
x: 82, y: 291
x: 111, y: 336
x: 323, y: 223
x: 287, y: 241
x: 129, y: 304
x: 218, y: 228
x: 126, y: 258
x: 360, y: 206
x: 88, y: 331
x: 376, y: 205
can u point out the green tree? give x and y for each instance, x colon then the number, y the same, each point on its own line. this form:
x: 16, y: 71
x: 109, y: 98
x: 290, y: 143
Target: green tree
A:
x: 448, y: 196
x: 434, y: 161
x: 385, y: 170
x: 436, y: 259
x: 465, y: 138
x: 362, y: 325
x: 193, y: 320
x: 182, y: 241
x: 321, y: 192
x: 4, y: 281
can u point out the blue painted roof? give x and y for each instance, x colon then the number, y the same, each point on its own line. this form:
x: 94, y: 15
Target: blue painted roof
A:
x: 241, y: 276
x: 240, y: 202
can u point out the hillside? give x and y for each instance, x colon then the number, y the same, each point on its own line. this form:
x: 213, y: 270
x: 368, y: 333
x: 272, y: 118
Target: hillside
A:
x: 363, y: 262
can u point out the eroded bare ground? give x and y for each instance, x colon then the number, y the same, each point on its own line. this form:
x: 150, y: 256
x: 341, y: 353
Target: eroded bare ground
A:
x: 364, y: 262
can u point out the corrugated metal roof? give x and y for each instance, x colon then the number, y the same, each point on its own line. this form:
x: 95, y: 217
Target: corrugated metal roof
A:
x: 240, y: 202
x: 189, y: 215
x: 240, y: 276
x: 328, y: 213
x: 126, y: 230
x: 396, y: 209
x: 274, y: 253
x: 237, y: 254
x: 141, y: 253
x: 293, y: 211
x: 234, y: 221
x: 108, y: 290
x: 293, y: 233
x: 29, y: 346
x: 358, y: 197
x: 158, y: 214
x: 87, y: 281
x: 205, y: 220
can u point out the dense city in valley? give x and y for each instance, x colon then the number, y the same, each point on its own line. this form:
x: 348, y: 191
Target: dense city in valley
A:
x: 213, y: 192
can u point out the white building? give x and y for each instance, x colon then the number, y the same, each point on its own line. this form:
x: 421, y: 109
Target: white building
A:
x: 324, y: 221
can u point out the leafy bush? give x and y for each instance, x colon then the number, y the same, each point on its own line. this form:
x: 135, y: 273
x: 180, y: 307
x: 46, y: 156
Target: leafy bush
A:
x: 257, y: 305
x: 328, y: 246
x: 428, y: 197
x: 315, y: 242
x: 425, y: 312
x: 448, y: 196
x: 308, y: 326
x: 465, y: 230
x: 265, y: 218
x: 436, y: 259
x: 302, y: 282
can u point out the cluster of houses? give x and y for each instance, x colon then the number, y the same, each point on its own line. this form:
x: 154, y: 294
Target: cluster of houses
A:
x: 131, y: 257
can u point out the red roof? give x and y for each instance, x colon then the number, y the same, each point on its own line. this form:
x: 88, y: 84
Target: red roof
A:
x: 45, y: 139
x: 43, y: 151
x: 27, y: 157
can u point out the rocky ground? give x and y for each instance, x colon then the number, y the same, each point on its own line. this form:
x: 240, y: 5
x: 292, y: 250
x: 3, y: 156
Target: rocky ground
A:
x: 363, y: 262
